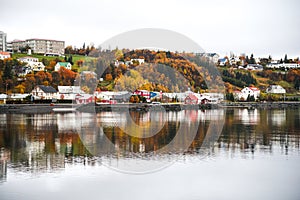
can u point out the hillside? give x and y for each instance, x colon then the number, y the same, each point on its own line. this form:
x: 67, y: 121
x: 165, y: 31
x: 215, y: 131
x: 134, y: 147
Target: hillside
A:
x: 161, y: 71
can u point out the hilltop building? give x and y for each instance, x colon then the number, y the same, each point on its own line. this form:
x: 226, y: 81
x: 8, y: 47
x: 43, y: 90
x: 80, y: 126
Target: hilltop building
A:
x: 3, y: 42
x: 40, y: 46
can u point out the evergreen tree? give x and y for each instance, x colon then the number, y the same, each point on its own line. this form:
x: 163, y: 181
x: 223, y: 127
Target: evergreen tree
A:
x: 7, y: 74
x: 285, y: 59
x: 297, y: 84
x: 252, y: 60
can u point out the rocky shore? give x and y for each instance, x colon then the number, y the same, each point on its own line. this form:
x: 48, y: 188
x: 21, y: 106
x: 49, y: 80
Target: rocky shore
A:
x: 143, y: 107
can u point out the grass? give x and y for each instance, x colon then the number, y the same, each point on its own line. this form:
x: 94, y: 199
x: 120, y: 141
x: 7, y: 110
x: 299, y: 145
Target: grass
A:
x: 75, y: 58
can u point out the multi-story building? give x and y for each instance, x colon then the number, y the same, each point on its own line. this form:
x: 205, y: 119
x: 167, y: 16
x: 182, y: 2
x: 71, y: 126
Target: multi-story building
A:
x: 3, y: 41
x: 45, y: 46
x: 17, y: 45
x: 41, y: 46
x: 9, y: 47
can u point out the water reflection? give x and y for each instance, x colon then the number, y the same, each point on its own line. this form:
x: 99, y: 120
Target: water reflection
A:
x: 41, y: 143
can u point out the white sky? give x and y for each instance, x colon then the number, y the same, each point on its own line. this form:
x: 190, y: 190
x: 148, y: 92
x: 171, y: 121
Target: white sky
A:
x: 261, y: 27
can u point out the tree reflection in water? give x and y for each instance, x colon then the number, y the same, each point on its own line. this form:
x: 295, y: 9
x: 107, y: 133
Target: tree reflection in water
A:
x: 44, y: 142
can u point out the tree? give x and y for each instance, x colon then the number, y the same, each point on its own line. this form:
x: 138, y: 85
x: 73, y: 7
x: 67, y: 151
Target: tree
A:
x: 297, y: 83
x: 20, y: 88
x: 229, y: 97
x: 108, y: 77
x: 250, y: 98
x: 252, y: 60
x: 8, y: 74
x: 285, y: 59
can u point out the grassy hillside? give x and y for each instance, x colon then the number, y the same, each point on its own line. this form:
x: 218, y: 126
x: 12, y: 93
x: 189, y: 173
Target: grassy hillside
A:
x: 75, y: 58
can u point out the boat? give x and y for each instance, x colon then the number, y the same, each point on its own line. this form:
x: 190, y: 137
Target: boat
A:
x: 64, y: 109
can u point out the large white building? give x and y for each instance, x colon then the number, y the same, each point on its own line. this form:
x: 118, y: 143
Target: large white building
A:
x: 3, y: 41
x: 275, y: 89
x: 247, y: 92
x: 283, y: 65
x: 41, y: 46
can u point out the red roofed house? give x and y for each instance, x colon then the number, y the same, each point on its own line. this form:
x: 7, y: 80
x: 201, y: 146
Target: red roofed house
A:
x: 4, y: 55
x: 249, y: 91
x: 191, y: 99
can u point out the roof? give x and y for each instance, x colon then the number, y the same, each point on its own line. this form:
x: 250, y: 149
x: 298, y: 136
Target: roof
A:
x: 3, y: 96
x: 254, y: 88
x: 47, y: 89
x: 5, y: 53
x: 63, y: 64
x: 223, y: 59
x: 192, y: 97
x: 45, y: 40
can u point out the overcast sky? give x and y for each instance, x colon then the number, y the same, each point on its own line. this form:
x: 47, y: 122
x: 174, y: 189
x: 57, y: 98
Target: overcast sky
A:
x: 261, y: 27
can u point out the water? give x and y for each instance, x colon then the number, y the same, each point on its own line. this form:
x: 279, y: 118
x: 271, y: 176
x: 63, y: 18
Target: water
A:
x: 213, y: 154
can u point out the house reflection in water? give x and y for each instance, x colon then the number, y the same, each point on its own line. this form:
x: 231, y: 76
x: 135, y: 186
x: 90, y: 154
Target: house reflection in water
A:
x: 39, y: 143
x: 4, y: 159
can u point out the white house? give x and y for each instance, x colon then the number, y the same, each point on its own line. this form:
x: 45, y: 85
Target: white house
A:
x: 4, y: 55
x: 36, y: 66
x: 223, y: 61
x: 247, y: 92
x: 275, y: 89
x: 254, y: 67
x: 44, y: 92
x: 283, y: 65
x: 28, y: 59
x: 69, y: 92
x: 66, y: 65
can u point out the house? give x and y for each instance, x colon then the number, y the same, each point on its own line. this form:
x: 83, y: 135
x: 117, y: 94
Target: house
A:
x: 36, y: 66
x: 254, y: 67
x: 44, y: 92
x: 66, y: 65
x: 143, y: 93
x: 4, y: 55
x: 28, y: 59
x: 24, y: 71
x: 69, y: 92
x: 275, y: 89
x: 191, y: 99
x: 223, y: 61
x: 248, y: 92
x: 84, y: 98
x: 109, y: 97
x: 3, y: 98
x: 214, y: 57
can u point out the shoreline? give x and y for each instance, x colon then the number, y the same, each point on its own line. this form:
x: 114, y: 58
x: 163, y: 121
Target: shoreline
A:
x: 142, y: 107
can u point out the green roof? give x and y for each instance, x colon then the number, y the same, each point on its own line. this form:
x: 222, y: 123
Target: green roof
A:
x: 63, y: 64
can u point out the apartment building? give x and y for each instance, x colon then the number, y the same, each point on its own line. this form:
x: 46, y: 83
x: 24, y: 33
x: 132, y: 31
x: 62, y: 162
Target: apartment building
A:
x: 3, y: 41
x: 41, y: 46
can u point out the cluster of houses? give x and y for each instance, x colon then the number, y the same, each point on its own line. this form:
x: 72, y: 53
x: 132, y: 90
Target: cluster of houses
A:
x: 33, y: 65
x: 75, y: 94
x: 254, y: 92
x: 239, y: 62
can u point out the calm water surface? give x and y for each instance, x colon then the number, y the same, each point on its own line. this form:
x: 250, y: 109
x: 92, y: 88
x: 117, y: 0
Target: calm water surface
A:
x: 213, y: 154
